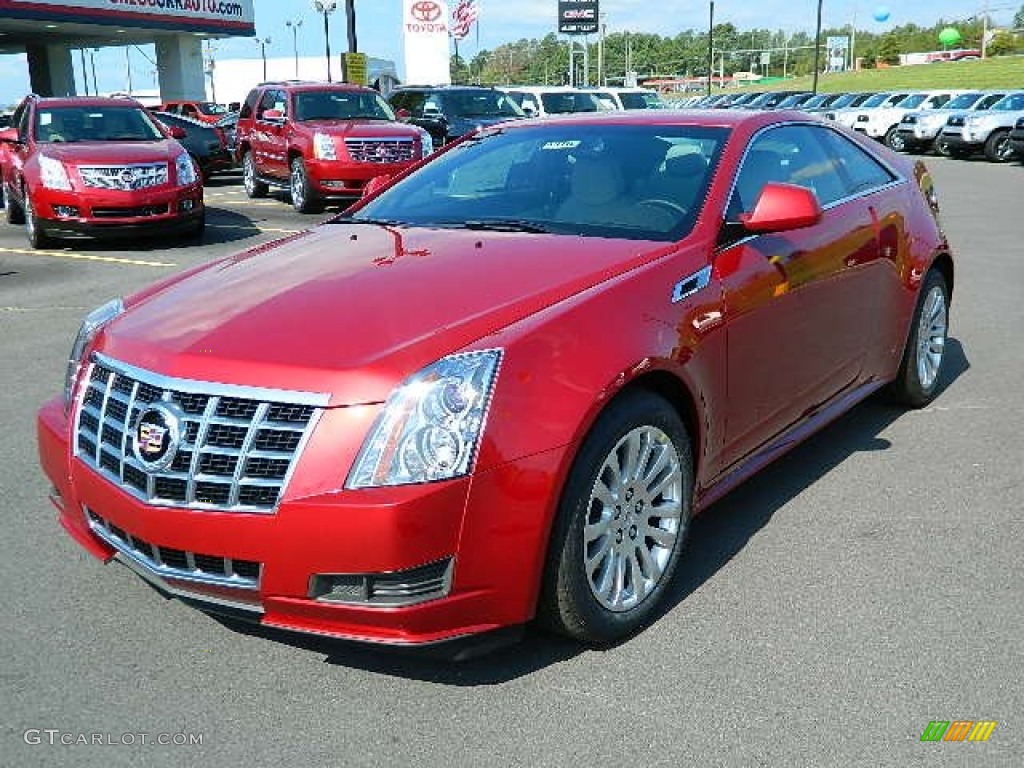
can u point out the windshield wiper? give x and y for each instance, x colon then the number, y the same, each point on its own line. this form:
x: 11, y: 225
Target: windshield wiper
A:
x: 342, y: 219
x: 505, y: 225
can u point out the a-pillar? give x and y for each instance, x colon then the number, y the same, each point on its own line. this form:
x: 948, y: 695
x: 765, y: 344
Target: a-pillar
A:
x: 179, y: 62
x: 51, y: 70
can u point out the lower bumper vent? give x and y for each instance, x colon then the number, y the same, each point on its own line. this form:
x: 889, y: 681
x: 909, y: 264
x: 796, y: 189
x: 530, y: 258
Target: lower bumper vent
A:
x: 416, y: 585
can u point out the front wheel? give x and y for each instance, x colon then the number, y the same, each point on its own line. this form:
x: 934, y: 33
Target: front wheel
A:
x: 621, y: 523
x: 894, y: 141
x: 998, y: 148
x: 941, y: 146
x: 917, y: 382
x: 303, y: 197
x: 36, y: 237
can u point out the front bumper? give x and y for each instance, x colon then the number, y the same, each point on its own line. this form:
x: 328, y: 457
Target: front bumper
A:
x: 958, y: 142
x: 345, y: 178
x: 1017, y: 143
x: 492, y: 528
x: 119, y: 214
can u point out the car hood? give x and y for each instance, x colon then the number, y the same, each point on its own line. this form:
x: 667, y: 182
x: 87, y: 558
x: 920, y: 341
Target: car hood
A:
x: 352, y: 309
x: 113, y: 152
x: 355, y: 128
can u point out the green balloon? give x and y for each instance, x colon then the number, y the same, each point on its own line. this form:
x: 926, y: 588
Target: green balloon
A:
x: 950, y: 36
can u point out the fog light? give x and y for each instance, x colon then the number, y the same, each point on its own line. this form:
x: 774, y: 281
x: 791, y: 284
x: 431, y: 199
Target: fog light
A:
x: 186, y: 205
x: 66, y: 211
x: 416, y: 585
x: 336, y: 184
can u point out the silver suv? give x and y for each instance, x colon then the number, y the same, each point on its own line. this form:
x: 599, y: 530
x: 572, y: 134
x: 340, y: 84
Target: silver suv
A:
x: 920, y: 131
x: 989, y: 131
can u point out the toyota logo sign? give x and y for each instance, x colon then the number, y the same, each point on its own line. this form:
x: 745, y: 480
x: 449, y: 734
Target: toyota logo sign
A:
x: 425, y: 11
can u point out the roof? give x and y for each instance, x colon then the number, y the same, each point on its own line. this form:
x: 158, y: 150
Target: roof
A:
x: 717, y: 118
x: 292, y: 85
x: 85, y: 101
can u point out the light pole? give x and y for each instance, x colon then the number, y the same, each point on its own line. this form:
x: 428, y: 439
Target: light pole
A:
x: 263, y: 42
x: 817, y: 49
x: 294, y: 25
x: 350, y: 16
x: 326, y: 7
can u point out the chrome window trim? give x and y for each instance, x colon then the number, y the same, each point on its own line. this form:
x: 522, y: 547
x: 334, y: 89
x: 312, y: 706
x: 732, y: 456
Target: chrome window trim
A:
x: 898, y: 180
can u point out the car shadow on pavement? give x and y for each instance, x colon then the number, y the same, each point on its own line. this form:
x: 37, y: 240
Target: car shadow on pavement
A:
x: 716, y: 537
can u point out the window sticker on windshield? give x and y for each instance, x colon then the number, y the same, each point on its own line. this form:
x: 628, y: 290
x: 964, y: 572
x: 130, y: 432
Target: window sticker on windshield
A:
x: 561, y: 145
x: 45, y: 118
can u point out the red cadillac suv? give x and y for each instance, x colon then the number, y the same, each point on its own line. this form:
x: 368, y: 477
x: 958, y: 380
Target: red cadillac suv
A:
x: 320, y: 141
x: 98, y: 167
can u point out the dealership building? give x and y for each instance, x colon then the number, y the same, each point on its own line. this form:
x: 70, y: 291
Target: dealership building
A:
x: 49, y: 33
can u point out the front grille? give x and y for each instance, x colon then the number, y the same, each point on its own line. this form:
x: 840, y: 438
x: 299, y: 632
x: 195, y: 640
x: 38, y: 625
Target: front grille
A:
x: 236, y: 446
x: 124, y: 177
x: 956, y: 121
x: 909, y: 120
x: 125, y: 213
x: 380, y: 150
x: 177, y: 563
x: 862, y: 118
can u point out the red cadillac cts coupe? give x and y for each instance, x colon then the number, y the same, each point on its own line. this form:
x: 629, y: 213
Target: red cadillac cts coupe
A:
x: 499, y: 388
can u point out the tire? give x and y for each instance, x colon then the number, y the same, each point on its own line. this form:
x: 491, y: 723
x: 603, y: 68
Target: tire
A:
x: 920, y: 372
x: 12, y: 211
x: 894, y: 141
x: 253, y: 186
x: 940, y: 146
x: 598, y: 545
x: 36, y: 237
x: 197, y: 230
x: 303, y: 197
x: 998, y: 148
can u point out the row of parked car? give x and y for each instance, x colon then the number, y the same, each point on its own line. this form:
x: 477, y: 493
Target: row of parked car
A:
x: 953, y: 123
x: 91, y: 166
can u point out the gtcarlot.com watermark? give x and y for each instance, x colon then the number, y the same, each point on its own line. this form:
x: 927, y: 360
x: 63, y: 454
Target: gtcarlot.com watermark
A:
x: 57, y: 737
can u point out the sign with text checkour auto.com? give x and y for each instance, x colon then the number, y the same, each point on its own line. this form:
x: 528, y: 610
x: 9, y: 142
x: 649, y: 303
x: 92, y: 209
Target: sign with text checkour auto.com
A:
x: 577, y: 17
x: 425, y: 32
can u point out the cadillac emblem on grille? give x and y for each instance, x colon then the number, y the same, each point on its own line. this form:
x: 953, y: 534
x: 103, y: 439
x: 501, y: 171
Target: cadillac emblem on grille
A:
x: 127, y: 178
x: 156, y: 435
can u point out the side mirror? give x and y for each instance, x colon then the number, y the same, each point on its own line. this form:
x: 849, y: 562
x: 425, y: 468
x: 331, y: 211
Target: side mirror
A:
x: 403, y: 114
x: 375, y: 184
x: 9, y: 136
x: 273, y: 114
x: 782, y: 207
x: 177, y: 132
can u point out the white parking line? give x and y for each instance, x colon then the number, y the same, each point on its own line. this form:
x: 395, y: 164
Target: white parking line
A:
x: 88, y: 257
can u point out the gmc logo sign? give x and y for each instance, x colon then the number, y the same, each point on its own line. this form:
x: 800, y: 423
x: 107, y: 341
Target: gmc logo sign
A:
x: 425, y: 11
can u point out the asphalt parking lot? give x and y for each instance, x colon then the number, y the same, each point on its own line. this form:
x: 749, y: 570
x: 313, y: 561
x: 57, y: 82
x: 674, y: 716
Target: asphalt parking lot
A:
x: 825, y: 612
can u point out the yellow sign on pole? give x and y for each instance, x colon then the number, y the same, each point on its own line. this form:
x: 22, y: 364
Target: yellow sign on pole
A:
x: 355, y: 68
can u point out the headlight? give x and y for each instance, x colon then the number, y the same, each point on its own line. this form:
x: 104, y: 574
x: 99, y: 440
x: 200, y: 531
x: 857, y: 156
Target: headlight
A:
x: 930, y: 121
x: 431, y: 425
x: 426, y: 142
x: 185, y: 169
x: 323, y: 147
x: 53, y: 173
x: 91, y: 326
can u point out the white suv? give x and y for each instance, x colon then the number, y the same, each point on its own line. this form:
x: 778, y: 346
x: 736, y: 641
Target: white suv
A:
x: 882, y: 123
x: 987, y: 131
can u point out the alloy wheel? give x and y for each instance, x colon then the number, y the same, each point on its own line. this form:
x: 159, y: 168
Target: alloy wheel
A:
x: 634, y: 517
x: 931, y: 337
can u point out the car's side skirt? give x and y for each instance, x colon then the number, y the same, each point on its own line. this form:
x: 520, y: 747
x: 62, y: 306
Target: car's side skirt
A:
x: 784, y: 443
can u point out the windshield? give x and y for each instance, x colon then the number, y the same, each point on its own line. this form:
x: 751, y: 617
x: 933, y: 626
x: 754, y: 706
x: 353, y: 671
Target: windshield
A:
x: 570, y: 101
x: 591, y: 180
x: 341, y: 105
x: 640, y: 100
x: 209, y: 108
x: 482, y: 104
x: 1011, y: 103
x: 878, y: 98
x: 912, y: 101
x: 101, y: 123
x: 963, y: 101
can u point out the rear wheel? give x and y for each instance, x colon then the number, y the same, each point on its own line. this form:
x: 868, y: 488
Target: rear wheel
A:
x: 36, y: 237
x: 998, y: 148
x: 253, y: 186
x: 303, y: 198
x: 621, y: 523
x: 918, y: 378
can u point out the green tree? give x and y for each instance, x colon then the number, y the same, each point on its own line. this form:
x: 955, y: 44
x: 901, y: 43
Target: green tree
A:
x: 1018, y: 18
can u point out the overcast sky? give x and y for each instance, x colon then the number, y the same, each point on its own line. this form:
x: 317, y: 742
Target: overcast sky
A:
x: 378, y: 26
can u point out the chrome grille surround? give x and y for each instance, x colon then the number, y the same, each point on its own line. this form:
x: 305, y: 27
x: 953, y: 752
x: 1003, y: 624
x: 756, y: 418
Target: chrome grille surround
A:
x: 381, y: 150
x: 237, y: 449
x: 125, y: 177
x: 178, y: 564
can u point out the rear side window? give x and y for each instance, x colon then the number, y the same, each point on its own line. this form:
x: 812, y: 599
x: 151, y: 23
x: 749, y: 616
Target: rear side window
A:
x: 860, y: 172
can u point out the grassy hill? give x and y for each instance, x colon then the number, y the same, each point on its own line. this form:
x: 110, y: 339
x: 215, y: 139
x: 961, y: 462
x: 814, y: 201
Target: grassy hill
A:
x: 1001, y: 72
